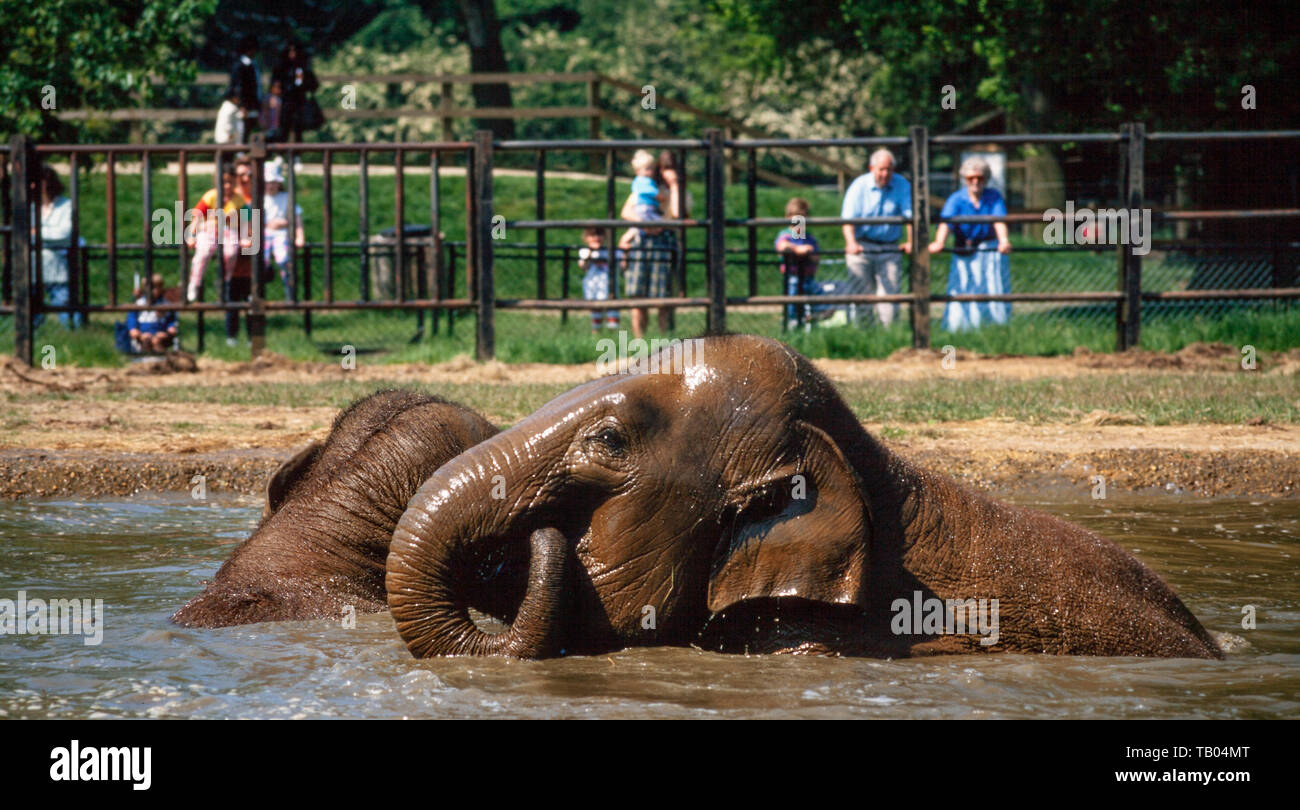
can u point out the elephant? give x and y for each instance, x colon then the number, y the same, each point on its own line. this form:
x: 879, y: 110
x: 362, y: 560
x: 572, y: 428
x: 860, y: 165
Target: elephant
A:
x: 320, y: 547
x: 722, y: 494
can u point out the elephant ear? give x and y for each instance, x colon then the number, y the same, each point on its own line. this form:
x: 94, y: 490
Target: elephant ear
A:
x: 814, y: 547
x: 288, y: 476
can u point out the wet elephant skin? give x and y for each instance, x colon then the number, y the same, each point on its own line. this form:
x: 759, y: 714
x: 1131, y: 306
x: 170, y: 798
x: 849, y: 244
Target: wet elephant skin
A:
x: 726, y: 496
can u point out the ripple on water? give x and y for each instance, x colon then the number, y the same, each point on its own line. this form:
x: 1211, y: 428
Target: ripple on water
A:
x: 147, y: 556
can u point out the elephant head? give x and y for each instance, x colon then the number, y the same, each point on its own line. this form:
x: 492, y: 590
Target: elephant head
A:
x: 723, y: 493
x: 330, y: 512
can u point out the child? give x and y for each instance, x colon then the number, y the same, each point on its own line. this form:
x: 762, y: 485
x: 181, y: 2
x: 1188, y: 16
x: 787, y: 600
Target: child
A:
x: 202, y: 233
x: 275, y: 210
x: 149, y: 329
x: 645, y: 194
x: 230, y: 120
x: 594, y: 259
x: 272, y: 113
x: 798, y: 252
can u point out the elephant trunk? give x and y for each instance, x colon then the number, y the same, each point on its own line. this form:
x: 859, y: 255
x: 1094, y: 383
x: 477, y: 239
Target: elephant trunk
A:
x: 431, y: 568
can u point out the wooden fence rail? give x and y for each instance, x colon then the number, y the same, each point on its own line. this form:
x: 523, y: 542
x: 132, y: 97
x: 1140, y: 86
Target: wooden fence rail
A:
x: 434, y: 290
x: 446, y: 112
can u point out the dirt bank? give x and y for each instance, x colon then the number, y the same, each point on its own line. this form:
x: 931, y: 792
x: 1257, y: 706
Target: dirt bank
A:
x: 63, y: 435
x: 98, y: 453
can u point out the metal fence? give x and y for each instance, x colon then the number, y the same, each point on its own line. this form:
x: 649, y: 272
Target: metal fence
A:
x: 325, y: 267
x: 360, y: 283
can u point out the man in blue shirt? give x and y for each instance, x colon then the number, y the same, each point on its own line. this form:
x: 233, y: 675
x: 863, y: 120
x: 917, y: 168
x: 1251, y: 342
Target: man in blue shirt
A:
x: 872, y: 252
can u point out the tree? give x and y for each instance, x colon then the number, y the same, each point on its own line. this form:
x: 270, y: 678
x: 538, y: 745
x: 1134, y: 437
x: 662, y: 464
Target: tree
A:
x: 86, y: 54
x: 1055, y: 66
x: 1070, y: 67
x: 316, y: 25
x: 486, y: 55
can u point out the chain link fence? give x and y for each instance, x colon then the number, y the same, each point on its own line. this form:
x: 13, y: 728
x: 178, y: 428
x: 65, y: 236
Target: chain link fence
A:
x: 356, y: 272
x: 843, y: 330
x: 847, y: 330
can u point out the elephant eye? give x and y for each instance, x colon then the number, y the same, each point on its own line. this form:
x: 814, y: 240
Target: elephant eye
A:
x: 610, y: 440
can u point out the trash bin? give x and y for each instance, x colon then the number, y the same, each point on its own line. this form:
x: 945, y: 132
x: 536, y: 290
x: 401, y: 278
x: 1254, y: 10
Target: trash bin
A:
x: 384, y: 284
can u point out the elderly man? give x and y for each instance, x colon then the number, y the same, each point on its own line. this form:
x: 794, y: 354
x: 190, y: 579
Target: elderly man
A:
x: 872, y: 252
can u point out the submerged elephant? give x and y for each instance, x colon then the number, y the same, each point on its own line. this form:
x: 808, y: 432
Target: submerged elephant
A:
x: 330, y: 513
x: 731, y: 500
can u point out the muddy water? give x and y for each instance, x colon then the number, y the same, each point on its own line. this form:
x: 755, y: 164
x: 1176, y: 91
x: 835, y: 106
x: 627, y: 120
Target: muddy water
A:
x: 145, y: 556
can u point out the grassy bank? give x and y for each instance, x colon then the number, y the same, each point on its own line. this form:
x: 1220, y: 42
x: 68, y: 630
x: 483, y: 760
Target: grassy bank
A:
x: 544, y: 338
x: 1036, y: 329
x: 1147, y: 397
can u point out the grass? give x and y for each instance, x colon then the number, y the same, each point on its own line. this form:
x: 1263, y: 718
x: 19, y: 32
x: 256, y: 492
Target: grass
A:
x: 1155, y: 398
x: 504, y: 404
x: 1036, y: 329
x: 390, y: 337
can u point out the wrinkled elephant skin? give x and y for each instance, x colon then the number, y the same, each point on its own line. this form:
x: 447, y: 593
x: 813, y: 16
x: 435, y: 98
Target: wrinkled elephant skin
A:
x: 727, y: 497
x: 330, y: 511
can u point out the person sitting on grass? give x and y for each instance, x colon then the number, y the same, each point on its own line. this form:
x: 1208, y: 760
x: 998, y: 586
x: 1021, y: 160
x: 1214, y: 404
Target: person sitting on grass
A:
x: 151, y: 330
x: 798, y: 251
x: 594, y: 259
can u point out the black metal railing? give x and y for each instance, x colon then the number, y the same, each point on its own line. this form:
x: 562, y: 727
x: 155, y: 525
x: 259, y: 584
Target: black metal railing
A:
x: 430, y: 289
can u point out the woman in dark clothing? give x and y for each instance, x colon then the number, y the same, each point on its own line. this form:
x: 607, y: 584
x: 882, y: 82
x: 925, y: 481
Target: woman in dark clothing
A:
x: 297, y: 83
x: 243, y: 96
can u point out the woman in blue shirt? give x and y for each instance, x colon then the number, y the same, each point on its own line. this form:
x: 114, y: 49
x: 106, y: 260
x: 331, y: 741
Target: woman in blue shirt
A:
x: 979, y: 264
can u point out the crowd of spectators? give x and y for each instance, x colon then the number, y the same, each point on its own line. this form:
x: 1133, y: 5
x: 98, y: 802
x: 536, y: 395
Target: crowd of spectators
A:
x: 646, y: 254
x: 873, y: 252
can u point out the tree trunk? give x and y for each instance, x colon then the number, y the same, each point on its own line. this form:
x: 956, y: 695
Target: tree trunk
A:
x: 1044, y: 179
x: 487, y: 56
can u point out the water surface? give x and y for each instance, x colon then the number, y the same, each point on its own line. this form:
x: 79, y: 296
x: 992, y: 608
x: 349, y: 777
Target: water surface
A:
x: 145, y: 556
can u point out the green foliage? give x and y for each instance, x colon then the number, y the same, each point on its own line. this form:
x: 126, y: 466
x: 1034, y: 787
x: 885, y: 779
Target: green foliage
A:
x: 1054, y: 66
x: 395, y: 29
x: 669, y: 45
x: 825, y: 67
x: 435, y: 52
x: 82, y: 54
